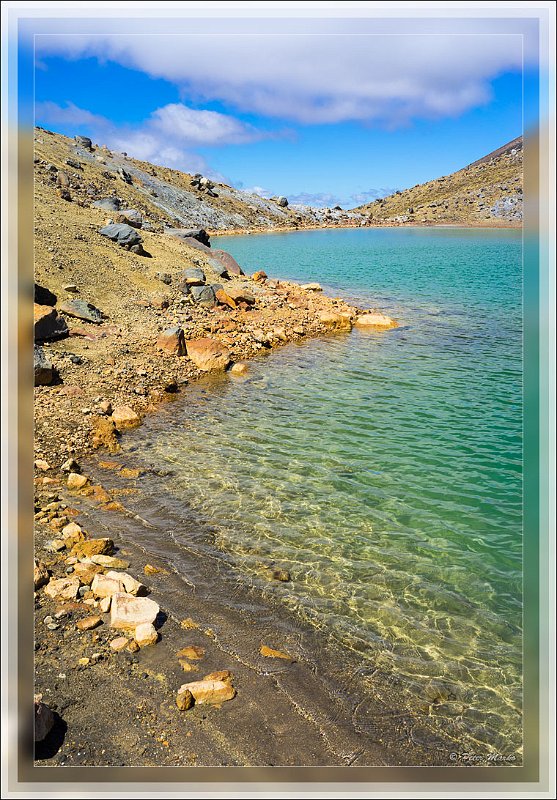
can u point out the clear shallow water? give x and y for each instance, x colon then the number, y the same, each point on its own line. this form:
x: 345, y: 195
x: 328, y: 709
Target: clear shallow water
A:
x: 383, y: 470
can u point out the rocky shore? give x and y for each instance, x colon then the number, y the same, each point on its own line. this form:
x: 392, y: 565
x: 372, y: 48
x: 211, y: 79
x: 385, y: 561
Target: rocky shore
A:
x: 134, y: 665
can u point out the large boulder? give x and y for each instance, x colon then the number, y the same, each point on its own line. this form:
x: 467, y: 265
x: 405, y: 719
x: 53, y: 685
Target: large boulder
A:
x: 44, y: 297
x: 228, y: 262
x: 44, y: 371
x: 208, y: 354
x: 108, y: 203
x: 82, y: 310
x: 282, y: 202
x: 47, y: 323
x: 123, y: 234
x: 127, y: 611
x: 203, y: 296
x: 199, y: 234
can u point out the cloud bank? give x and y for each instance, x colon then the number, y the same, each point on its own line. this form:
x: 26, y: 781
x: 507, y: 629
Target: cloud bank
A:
x: 321, y: 79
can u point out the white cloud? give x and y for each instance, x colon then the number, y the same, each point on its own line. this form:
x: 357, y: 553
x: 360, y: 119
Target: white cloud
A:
x: 202, y: 127
x: 388, y: 79
x: 260, y: 191
x: 165, y: 138
x: 70, y: 114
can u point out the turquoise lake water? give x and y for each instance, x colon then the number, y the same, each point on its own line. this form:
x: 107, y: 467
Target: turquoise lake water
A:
x: 383, y: 470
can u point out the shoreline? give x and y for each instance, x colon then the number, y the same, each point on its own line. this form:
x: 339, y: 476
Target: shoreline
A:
x: 62, y: 649
x: 260, y: 232
x: 271, y: 691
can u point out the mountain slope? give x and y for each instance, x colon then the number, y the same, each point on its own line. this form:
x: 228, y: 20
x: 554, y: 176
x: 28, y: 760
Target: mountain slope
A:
x: 486, y: 192
x: 167, y: 197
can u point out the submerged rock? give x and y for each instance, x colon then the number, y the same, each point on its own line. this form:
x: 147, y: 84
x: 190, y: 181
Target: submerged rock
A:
x: 209, y: 692
x: 375, y: 320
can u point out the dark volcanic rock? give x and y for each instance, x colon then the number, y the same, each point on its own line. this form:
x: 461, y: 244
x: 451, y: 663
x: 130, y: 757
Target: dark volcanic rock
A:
x: 44, y: 371
x: 125, y: 235
x: 82, y: 310
x: 44, y: 720
x: 218, y: 267
x: 126, y: 177
x: 199, y: 234
x: 108, y: 203
x: 203, y: 295
x: 133, y: 217
x: 193, y: 277
x: 84, y: 141
x: 44, y: 297
x: 47, y: 323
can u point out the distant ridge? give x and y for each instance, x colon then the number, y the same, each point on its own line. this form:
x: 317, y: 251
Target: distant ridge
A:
x: 486, y: 192
x: 516, y: 144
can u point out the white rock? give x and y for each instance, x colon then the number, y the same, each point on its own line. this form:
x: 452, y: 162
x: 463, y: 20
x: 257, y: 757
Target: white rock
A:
x: 66, y: 588
x: 104, y: 604
x: 105, y: 586
x: 145, y: 634
x: 127, y: 612
x: 131, y: 586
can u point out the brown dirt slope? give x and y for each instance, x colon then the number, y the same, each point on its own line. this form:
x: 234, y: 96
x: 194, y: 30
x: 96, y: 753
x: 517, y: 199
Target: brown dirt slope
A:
x: 487, y: 192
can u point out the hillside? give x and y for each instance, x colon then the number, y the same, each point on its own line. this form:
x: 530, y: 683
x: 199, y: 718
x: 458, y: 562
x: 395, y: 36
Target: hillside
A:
x: 486, y: 192
x: 167, y: 197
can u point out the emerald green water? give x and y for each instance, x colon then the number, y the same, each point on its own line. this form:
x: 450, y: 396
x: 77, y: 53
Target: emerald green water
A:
x: 383, y: 470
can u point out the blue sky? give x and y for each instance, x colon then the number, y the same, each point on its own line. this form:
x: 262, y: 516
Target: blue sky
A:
x: 323, y: 119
